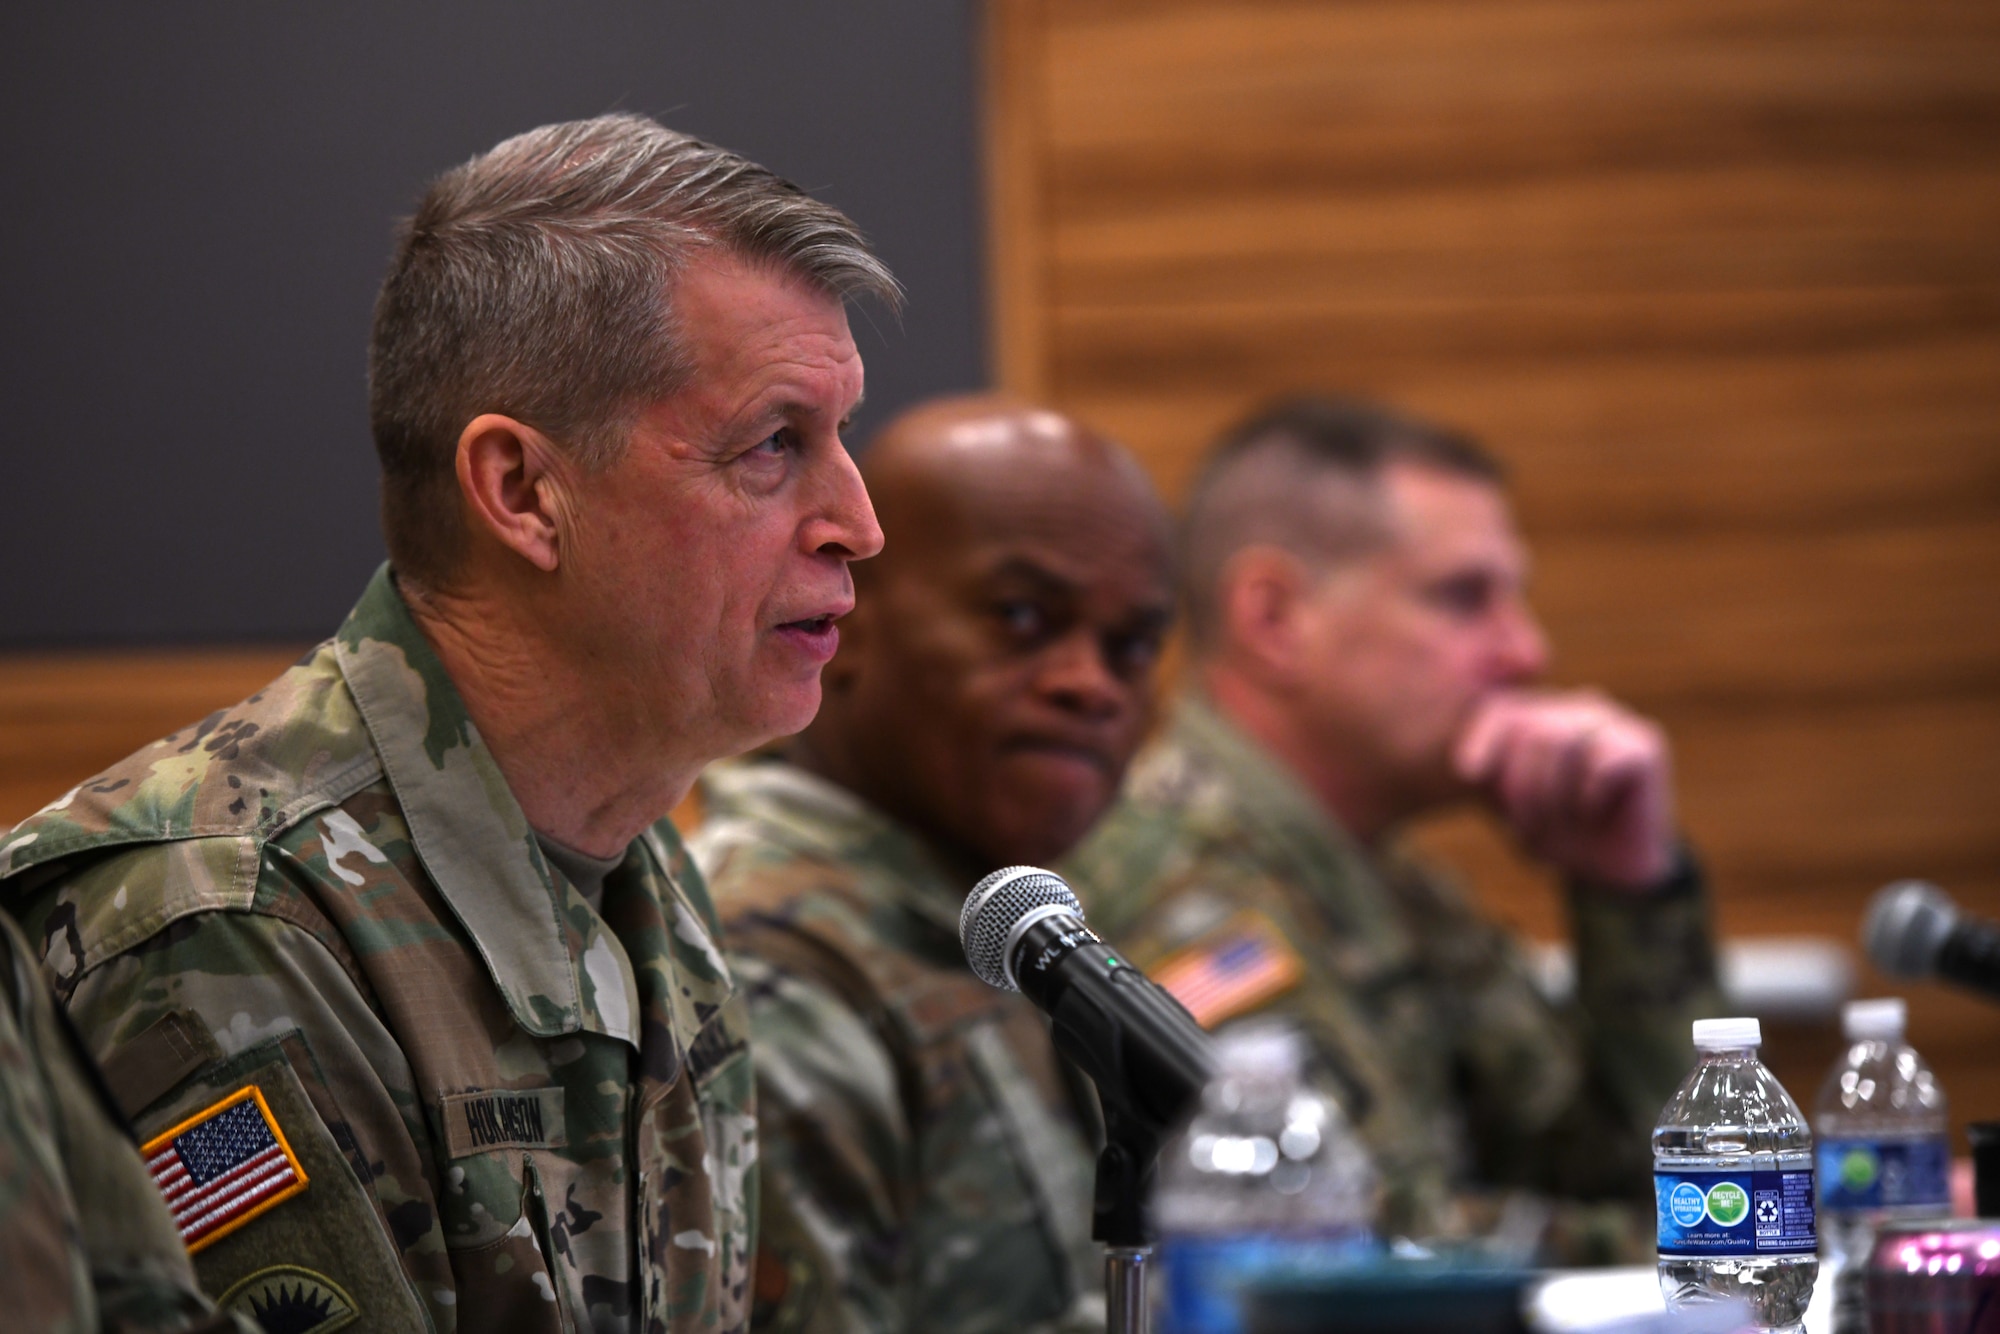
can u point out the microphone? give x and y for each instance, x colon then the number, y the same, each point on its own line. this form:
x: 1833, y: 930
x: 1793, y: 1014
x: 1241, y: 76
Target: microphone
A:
x: 1023, y: 930
x: 1913, y: 929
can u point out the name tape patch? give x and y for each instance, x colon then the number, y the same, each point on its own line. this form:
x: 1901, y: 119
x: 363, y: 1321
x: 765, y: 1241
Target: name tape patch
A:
x: 223, y: 1166
x: 503, y: 1119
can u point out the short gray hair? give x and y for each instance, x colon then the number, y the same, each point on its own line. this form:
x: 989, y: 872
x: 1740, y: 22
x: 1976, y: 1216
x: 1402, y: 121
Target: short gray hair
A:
x: 1298, y: 475
x: 535, y: 280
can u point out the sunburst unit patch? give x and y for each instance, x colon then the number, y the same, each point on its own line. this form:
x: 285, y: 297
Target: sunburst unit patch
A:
x: 223, y: 1166
x: 1234, y: 968
x: 291, y: 1299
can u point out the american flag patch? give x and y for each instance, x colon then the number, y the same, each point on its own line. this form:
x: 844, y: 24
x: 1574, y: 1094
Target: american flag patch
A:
x: 1235, y: 968
x: 223, y: 1166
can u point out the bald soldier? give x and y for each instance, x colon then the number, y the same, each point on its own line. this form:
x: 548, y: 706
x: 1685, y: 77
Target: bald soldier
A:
x: 1363, y: 653
x: 398, y: 965
x: 927, y: 1161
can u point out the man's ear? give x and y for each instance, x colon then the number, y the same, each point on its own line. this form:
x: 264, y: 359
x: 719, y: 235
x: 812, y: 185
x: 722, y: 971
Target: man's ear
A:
x: 1263, y: 594
x: 508, y: 474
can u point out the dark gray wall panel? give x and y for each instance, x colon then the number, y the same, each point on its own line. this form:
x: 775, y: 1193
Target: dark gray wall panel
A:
x: 197, y: 208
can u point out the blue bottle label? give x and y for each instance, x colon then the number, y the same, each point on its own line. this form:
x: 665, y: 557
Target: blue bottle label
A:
x: 1705, y: 1214
x: 1884, y: 1173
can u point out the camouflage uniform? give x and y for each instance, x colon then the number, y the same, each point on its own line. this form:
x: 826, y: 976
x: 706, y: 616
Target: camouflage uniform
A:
x: 1477, y: 1099
x: 926, y: 1165
x: 85, y: 1243
x: 509, y: 1111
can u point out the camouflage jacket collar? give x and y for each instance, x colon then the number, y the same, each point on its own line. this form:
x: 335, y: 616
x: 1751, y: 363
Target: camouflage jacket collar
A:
x: 823, y: 819
x: 1277, y: 816
x: 1267, y: 795
x: 472, y: 836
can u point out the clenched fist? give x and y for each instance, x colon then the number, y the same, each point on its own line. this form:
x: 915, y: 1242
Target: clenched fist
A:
x: 1585, y: 783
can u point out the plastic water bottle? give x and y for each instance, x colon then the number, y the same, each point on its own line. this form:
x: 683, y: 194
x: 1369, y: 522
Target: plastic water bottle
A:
x: 1733, y: 1178
x: 1268, y: 1178
x: 1884, y: 1155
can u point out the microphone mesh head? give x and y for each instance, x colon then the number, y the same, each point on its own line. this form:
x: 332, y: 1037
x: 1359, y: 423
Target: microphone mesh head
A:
x: 1906, y: 926
x: 995, y: 905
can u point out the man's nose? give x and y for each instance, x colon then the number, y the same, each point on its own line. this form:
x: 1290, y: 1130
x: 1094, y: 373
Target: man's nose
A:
x: 844, y: 524
x: 1524, y: 648
x: 1074, y: 675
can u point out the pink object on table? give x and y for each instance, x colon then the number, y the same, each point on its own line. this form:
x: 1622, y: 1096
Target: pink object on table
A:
x: 1941, y: 1277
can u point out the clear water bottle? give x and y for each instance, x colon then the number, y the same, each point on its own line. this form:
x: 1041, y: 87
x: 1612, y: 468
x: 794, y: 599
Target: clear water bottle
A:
x: 1884, y: 1152
x: 1733, y: 1178
x: 1269, y: 1178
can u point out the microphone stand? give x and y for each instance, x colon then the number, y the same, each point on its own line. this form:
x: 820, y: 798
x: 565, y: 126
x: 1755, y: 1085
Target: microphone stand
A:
x: 1118, y: 1219
x: 1145, y: 1053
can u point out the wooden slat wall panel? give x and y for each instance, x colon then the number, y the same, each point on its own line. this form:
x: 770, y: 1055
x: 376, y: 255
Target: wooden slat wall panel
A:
x: 1719, y: 278
x: 1750, y: 616
x: 1836, y: 439
x: 64, y: 718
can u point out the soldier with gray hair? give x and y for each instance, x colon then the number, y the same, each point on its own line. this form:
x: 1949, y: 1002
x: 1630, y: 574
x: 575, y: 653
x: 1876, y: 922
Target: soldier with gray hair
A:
x: 1362, y: 654
x: 407, y: 983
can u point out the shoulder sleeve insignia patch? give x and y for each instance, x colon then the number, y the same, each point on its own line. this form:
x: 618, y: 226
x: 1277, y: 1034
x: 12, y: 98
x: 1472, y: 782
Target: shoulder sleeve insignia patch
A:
x: 1233, y: 969
x: 287, y: 1298
x: 223, y: 1166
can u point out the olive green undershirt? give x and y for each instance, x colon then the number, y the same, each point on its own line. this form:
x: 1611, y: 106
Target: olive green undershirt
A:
x: 584, y: 871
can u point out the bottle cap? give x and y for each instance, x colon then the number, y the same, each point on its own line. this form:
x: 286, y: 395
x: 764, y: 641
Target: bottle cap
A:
x: 1874, y: 1020
x: 1725, y: 1034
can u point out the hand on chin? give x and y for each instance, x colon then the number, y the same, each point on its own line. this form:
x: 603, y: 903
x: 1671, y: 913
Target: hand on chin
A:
x: 1584, y: 783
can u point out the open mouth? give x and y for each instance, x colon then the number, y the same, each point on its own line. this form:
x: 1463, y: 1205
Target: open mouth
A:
x: 816, y: 636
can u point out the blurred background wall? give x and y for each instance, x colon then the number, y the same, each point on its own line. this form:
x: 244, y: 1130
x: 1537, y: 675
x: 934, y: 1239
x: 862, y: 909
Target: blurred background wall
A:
x: 197, y: 210
x: 198, y: 206
x: 1719, y: 278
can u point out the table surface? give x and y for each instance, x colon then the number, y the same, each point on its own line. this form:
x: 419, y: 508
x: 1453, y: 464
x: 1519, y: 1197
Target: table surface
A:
x: 1581, y: 1299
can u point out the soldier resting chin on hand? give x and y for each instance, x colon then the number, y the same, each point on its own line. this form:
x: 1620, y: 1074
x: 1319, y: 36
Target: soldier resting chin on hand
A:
x: 1363, y: 653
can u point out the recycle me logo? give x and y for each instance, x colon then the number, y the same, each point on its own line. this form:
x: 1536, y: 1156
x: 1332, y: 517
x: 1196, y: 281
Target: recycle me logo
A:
x: 1728, y: 1203
x: 1858, y: 1167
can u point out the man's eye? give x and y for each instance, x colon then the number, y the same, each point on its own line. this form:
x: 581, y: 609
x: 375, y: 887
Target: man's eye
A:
x: 1131, y: 654
x: 774, y: 444
x: 1022, y: 620
x: 1463, y: 597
